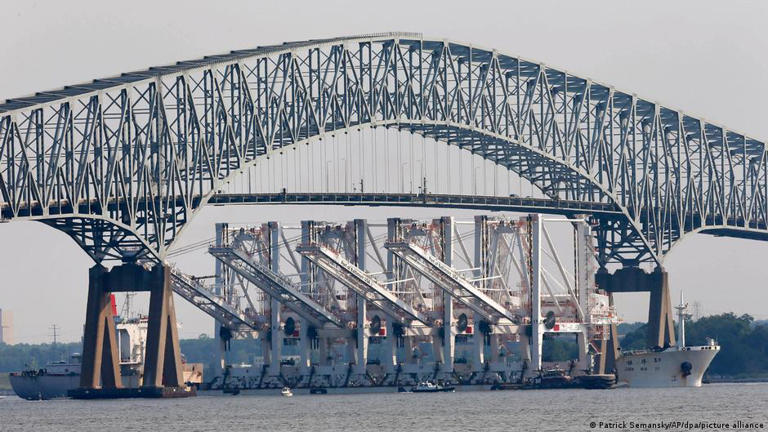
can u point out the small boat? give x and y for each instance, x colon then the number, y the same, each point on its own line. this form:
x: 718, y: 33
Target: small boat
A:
x: 595, y: 381
x: 286, y: 391
x: 507, y: 386
x: 431, y: 387
x: 551, y: 379
x: 234, y: 391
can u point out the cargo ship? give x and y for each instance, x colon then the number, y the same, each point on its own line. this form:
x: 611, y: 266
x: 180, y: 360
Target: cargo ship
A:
x: 680, y: 366
x: 57, y: 378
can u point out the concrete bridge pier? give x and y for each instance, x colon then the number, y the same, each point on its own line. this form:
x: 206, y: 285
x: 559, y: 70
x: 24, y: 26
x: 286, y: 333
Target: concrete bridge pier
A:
x: 162, y: 364
x: 100, y: 363
x: 661, y: 332
x: 100, y: 377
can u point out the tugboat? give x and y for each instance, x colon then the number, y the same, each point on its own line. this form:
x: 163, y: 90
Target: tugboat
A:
x: 681, y: 366
x: 431, y: 387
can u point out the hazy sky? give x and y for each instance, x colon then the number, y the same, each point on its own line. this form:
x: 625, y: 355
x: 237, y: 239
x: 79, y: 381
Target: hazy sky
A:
x: 706, y: 58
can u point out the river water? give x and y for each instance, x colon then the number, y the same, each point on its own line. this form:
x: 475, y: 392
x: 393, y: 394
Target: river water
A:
x: 539, y: 410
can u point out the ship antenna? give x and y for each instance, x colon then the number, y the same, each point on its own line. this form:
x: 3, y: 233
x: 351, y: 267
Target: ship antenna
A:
x: 126, y: 311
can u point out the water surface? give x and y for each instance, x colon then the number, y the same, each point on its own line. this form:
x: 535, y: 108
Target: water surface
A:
x: 540, y: 410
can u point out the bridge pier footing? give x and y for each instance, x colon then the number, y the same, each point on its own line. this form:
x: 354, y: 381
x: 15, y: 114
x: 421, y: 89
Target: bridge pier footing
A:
x: 100, y: 377
x: 661, y: 332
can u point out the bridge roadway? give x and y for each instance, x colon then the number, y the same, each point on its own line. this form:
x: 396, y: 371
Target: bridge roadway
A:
x: 478, y: 202
x: 511, y: 203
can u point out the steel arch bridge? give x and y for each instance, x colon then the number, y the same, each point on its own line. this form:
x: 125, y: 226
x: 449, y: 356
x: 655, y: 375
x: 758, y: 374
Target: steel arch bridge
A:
x: 122, y: 164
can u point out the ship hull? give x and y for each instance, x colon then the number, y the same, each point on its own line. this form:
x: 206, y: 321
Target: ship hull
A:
x: 53, y: 386
x: 669, y: 368
x: 43, y: 386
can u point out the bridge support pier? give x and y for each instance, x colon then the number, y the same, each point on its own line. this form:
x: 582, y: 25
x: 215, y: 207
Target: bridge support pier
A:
x: 162, y: 365
x: 100, y: 363
x: 162, y: 362
x: 661, y: 330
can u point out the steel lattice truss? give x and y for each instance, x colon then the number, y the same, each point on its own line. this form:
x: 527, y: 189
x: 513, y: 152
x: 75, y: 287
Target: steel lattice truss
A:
x: 122, y: 163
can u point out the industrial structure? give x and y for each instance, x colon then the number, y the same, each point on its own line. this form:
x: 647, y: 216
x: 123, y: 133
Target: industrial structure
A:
x: 122, y: 164
x: 6, y: 327
x: 356, y: 304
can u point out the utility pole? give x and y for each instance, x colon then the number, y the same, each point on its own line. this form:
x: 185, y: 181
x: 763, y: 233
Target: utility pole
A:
x: 55, y: 329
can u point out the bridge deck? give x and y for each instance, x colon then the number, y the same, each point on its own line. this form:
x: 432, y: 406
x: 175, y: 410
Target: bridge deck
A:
x: 480, y: 202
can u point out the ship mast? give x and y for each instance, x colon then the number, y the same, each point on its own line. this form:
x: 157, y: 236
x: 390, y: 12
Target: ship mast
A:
x: 681, y: 321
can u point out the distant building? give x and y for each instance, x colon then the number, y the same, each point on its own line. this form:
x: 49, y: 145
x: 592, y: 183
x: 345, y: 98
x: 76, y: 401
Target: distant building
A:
x: 6, y: 327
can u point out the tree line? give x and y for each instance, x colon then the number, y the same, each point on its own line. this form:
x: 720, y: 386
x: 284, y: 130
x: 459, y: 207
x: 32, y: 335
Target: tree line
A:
x: 743, y: 341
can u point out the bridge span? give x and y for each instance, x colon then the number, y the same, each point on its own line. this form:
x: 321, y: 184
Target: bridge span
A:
x: 146, y: 149
x: 122, y: 164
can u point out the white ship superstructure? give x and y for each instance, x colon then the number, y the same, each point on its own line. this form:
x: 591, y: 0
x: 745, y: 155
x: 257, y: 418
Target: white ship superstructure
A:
x: 680, y: 366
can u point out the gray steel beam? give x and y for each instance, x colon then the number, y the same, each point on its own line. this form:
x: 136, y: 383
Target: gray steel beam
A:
x: 276, y: 285
x: 209, y: 302
x: 362, y: 283
x: 450, y: 280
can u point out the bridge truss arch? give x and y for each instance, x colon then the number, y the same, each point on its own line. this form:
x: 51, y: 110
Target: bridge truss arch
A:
x: 122, y: 164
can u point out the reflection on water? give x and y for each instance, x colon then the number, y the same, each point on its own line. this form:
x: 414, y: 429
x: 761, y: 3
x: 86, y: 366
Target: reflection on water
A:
x: 541, y: 410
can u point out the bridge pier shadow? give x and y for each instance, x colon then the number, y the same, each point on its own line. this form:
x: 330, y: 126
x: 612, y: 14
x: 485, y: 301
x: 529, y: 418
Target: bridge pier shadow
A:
x: 661, y: 332
x: 162, y: 372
